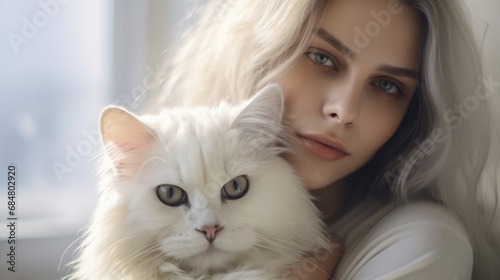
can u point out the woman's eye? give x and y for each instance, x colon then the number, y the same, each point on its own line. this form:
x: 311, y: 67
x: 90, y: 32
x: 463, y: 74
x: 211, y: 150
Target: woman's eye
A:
x: 235, y: 188
x: 171, y: 195
x: 389, y: 88
x: 320, y: 59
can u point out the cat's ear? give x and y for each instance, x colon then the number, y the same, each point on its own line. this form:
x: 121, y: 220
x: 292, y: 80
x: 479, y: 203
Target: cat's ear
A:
x: 126, y: 140
x: 262, y: 115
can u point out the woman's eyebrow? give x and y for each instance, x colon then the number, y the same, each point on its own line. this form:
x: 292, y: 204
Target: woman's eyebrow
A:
x: 334, y: 42
x: 398, y: 71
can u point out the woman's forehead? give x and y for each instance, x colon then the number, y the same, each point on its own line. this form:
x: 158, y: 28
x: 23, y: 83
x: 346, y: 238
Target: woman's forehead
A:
x: 385, y: 30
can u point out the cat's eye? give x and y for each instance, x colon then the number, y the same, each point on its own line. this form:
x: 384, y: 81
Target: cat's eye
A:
x: 235, y: 188
x: 171, y: 195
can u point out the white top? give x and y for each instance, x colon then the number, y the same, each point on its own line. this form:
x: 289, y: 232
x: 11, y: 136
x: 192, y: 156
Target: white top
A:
x: 422, y: 240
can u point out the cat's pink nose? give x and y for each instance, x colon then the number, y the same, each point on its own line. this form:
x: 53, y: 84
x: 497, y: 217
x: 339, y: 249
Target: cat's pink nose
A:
x: 210, y: 232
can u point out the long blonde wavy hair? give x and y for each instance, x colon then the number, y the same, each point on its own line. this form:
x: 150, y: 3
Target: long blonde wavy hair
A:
x: 441, y: 148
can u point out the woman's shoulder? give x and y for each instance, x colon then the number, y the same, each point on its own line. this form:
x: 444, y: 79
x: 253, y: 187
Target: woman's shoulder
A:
x: 423, y: 213
x: 419, y: 240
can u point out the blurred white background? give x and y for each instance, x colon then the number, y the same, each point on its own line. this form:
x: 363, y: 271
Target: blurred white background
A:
x: 485, y: 18
x: 61, y: 62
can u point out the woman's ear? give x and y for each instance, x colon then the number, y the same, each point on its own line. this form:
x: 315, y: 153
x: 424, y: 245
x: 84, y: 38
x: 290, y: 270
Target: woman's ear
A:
x: 127, y: 141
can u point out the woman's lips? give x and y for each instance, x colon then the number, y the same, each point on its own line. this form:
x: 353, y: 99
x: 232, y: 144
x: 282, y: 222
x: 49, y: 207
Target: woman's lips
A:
x: 317, y: 148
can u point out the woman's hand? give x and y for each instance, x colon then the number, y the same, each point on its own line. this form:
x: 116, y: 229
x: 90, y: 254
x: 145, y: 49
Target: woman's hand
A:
x: 320, y: 266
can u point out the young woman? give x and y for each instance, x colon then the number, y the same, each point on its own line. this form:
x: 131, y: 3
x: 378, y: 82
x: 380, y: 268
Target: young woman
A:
x: 390, y: 105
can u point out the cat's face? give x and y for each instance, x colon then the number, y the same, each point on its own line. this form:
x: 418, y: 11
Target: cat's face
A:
x: 206, y: 206
x: 207, y: 185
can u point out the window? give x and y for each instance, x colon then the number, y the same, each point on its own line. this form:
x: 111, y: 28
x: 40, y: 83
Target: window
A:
x: 61, y: 62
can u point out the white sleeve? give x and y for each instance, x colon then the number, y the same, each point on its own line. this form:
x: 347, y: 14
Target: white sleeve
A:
x: 422, y: 240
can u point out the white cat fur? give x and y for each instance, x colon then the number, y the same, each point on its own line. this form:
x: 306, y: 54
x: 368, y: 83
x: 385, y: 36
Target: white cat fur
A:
x: 133, y: 235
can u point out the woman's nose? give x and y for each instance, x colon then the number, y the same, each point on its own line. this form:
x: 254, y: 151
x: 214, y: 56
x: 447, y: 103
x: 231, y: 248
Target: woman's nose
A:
x: 342, y: 103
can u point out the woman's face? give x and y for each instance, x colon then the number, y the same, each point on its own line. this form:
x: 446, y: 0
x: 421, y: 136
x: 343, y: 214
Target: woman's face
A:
x: 352, y: 86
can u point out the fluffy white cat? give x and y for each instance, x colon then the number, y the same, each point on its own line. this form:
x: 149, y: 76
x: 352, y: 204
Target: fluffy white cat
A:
x: 198, y: 194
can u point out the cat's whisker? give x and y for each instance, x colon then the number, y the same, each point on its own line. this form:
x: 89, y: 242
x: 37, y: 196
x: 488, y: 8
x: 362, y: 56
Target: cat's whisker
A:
x: 264, y: 243
x: 66, y: 250
x: 309, y: 222
x: 111, y: 249
x: 149, y: 261
x: 137, y: 255
x: 127, y: 238
x: 265, y: 246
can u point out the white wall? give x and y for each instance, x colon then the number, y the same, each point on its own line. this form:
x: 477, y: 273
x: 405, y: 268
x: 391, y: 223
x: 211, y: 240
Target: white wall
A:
x: 485, y: 15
